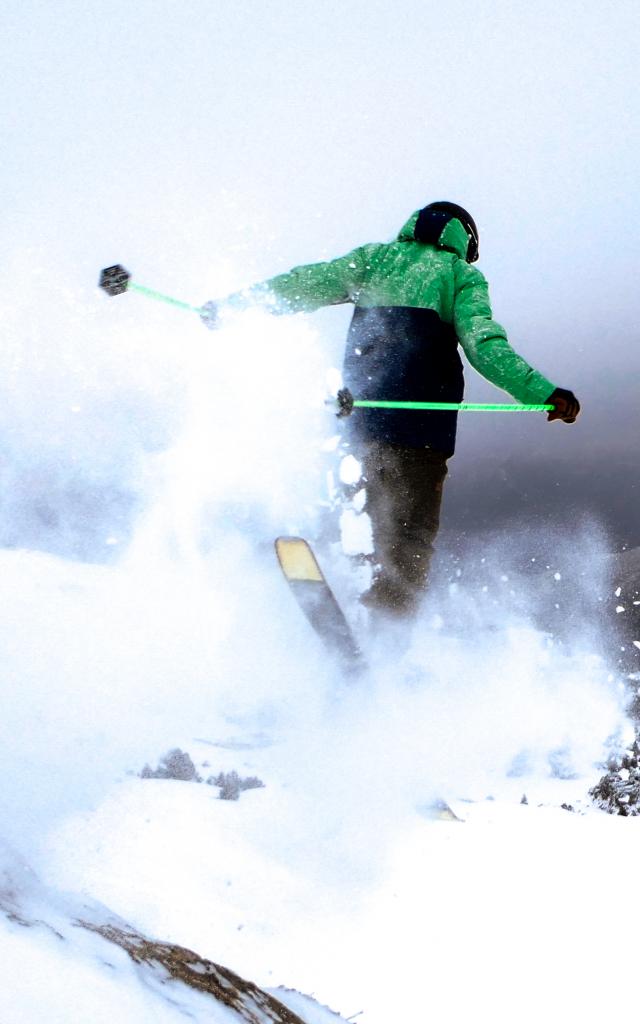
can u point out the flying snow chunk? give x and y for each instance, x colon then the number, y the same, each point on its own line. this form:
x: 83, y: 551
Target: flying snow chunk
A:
x: 350, y: 470
x: 359, y: 500
x: 355, y: 533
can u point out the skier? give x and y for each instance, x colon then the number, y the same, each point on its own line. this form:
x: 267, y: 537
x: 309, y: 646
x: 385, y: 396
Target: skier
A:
x: 415, y: 299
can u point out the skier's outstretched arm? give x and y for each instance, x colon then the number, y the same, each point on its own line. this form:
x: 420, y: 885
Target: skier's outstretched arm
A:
x: 487, y: 348
x: 301, y: 290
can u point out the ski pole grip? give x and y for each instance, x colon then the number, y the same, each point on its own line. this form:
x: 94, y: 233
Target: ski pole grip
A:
x: 345, y: 403
x: 114, y: 280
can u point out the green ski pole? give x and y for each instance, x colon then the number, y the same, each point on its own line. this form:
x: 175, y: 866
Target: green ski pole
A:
x: 116, y: 280
x: 346, y: 403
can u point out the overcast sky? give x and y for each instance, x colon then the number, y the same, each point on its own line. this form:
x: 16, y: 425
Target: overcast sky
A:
x: 210, y: 144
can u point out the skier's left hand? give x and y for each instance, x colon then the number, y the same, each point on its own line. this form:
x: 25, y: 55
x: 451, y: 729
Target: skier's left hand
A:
x: 209, y: 314
x: 566, y: 406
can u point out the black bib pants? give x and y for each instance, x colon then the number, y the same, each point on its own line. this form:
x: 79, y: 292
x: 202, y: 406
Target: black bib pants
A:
x: 402, y: 354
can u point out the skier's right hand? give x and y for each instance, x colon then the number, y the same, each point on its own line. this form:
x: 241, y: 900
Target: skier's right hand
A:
x: 209, y: 314
x: 566, y: 406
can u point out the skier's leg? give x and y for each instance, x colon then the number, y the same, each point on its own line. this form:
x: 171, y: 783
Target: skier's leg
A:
x: 404, y: 494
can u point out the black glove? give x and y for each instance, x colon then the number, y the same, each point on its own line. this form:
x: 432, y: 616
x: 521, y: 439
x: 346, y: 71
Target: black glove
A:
x: 566, y: 406
x: 209, y: 314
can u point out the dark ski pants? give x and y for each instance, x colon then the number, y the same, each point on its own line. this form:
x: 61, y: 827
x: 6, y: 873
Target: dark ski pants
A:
x: 403, y: 498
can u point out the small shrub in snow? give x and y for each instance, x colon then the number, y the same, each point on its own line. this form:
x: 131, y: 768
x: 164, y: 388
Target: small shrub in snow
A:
x: 175, y: 765
x: 178, y: 765
x: 231, y: 785
x: 618, y: 792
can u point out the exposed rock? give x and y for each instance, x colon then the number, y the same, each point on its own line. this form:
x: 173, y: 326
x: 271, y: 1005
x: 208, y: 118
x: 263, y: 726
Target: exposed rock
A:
x: 183, y: 965
x: 25, y: 902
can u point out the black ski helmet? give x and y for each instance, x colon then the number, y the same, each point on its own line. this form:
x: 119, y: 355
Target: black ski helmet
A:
x: 433, y: 219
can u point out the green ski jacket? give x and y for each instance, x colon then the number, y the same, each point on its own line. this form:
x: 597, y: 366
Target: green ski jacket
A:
x: 414, y: 303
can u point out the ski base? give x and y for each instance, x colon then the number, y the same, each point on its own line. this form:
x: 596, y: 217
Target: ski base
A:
x: 317, y: 600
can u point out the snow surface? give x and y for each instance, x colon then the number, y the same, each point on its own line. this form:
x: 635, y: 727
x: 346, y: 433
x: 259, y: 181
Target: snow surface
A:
x: 333, y: 879
x: 450, y: 918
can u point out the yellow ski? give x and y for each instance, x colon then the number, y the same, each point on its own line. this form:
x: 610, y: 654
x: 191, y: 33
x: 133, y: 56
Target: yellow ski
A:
x: 317, y: 600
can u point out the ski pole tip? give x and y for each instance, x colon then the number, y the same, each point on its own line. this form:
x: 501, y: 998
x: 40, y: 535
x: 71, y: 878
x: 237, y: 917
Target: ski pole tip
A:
x: 114, y: 280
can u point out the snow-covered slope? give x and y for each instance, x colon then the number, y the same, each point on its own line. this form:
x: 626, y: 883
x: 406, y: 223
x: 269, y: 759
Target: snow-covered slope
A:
x: 68, y: 960
x: 332, y: 878
x: 383, y: 917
